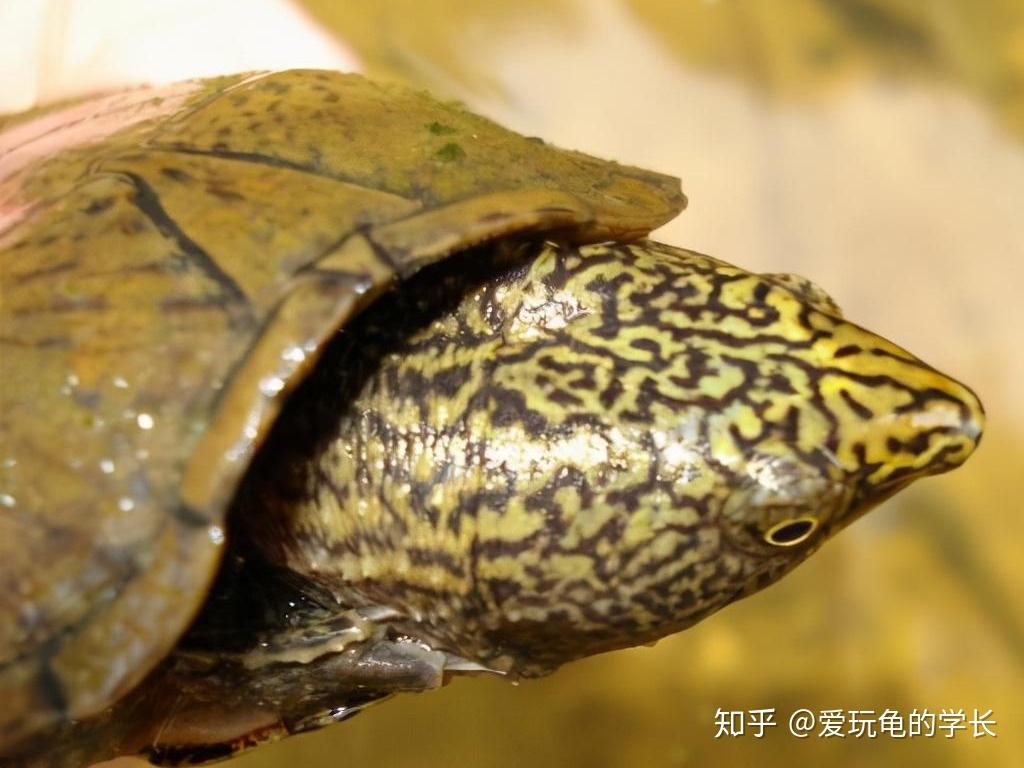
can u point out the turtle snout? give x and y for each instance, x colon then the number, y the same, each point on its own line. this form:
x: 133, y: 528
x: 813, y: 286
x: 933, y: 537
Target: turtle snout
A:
x: 947, y: 430
x: 938, y: 434
x: 935, y: 432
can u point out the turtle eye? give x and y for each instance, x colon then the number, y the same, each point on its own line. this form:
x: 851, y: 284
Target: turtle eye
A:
x: 787, y: 533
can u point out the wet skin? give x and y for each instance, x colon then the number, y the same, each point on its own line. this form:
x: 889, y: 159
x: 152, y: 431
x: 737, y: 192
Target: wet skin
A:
x: 592, y: 449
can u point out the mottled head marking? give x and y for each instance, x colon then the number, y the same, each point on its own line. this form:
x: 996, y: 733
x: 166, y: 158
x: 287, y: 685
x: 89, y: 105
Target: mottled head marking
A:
x: 603, y: 446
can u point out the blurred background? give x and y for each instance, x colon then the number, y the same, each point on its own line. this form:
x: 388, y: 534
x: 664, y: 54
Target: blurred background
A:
x: 875, y: 146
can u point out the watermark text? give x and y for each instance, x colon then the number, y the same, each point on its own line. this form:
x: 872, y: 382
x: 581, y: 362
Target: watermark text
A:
x: 857, y: 723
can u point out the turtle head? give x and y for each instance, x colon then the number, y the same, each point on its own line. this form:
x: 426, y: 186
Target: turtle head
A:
x: 705, y: 429
x: 591, y: 447
x: 863, y: 419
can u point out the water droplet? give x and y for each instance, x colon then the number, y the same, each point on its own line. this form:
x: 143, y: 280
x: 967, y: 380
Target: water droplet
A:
x: 239, y: 450
x: 106, y: 466
x: 294, y: 354
x: 6, y: 500
x: 126, y: 504
x: 216, y: 534
x: 120, y: 382
x: 144, y: 420
x: 271, y: 385
x: 249, y: 431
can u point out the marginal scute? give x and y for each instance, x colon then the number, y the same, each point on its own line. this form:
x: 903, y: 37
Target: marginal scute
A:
x: 421, y: 239
x: 285, y: 349
x: 166, y: 284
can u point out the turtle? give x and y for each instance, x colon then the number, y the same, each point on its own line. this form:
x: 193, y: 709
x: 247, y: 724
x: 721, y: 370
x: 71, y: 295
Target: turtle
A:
x: 317, y: 389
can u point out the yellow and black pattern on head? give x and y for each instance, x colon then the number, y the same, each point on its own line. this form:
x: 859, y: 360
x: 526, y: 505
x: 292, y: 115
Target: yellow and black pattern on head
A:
x: 550, y: 451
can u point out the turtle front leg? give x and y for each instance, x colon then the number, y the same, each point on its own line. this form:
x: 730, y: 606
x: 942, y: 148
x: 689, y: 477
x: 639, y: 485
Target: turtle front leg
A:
x: 202, y: 706
x: 271, y: 655
x: 222, y: 705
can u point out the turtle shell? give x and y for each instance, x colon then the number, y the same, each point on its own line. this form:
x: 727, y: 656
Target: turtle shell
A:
x: 173, y: 260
